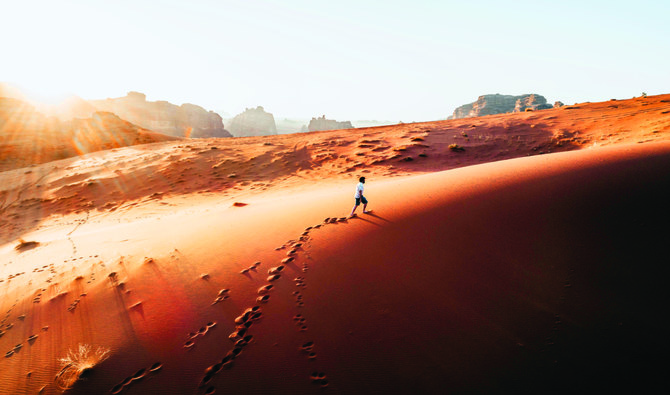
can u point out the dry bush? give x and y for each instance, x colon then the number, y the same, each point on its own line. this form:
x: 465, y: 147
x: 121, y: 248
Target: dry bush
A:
x: 456, y: 147
x: 26, y: 245
x: 77, y: 362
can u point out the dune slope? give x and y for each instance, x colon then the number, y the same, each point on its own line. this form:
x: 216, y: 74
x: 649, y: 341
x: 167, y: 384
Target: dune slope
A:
x: 531, y: 275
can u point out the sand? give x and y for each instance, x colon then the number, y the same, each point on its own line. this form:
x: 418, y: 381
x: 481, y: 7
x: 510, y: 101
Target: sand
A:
x: 531, y: 274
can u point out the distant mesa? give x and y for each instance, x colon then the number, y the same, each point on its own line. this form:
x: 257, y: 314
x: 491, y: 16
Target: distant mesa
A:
x: 28, y: 137
x: 253, y: 122
x: 187, y: 120
x: 500, y: 104
x: 322, y: 123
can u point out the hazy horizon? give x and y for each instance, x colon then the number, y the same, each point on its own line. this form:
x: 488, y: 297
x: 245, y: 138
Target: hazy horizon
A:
x: 387, y: 61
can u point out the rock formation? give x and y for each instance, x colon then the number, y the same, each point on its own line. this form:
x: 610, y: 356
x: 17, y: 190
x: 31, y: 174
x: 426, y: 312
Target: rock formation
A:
x: 187, y: 120
x: 28, y: 137
x: 499, y: 104
x: 327, y: 124
x: 253, y: 122
x: 531, y: 102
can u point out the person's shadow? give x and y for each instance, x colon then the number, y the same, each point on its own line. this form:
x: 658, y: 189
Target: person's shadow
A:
x: 372, y: 214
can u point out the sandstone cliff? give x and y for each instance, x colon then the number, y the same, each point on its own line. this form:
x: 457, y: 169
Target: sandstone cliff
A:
x: 327, y: 124
x: 28, y: 137
x: 187, y: 120
x: 253, y: 122
x: 531, y: 102
x: 499, y: 104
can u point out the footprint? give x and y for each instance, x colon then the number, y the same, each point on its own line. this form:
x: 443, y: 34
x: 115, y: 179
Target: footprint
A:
x: 156, y: 367
x: 206, y: 379
x: 236, y: 352
x: 276, y: 269
x: 263, y: 299
x: 220, y: 299
x: 287, y: 260
x: 319, y: 378
x: 216, y: 368
x: 210, y: 391
x: 139, y: 375
x: 238, y: 334
x: 274, y: 277
x: 265, y: 289
x: 252, y: 313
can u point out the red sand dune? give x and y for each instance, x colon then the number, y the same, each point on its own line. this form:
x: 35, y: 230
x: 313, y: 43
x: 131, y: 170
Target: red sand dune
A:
x: 536, y: 275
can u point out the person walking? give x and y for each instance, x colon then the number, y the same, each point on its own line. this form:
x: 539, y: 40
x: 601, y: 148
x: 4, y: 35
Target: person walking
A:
x: 360, y: 198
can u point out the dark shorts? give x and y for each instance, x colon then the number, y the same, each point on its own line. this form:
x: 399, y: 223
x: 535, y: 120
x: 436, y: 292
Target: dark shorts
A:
x: 361, y: 199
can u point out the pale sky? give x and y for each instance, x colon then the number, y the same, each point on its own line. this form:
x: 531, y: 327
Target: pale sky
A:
x: 412, y: 60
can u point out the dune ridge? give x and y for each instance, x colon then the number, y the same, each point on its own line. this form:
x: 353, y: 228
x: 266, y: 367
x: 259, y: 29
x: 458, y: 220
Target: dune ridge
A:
x: 107, y: 180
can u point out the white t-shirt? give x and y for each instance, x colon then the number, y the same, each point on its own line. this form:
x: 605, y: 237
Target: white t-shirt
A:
x: 359, y: 190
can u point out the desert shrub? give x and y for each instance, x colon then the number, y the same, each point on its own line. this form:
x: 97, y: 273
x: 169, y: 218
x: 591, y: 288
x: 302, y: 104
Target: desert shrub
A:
x: 456, y: 147
x: 77, y: 362
x: 26, y: 245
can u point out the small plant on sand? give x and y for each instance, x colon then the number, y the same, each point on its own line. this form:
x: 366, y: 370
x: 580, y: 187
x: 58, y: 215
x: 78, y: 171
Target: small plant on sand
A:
x: 456, y: 147
x: 77, y: 362
x: 26, y: 245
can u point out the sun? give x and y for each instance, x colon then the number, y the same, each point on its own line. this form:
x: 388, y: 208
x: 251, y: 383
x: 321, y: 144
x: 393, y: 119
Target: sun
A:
x: 37, y: 93
x: 50, y: 97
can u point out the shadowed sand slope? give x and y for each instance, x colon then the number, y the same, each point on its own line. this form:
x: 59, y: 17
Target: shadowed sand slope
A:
x: 532, y: 275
